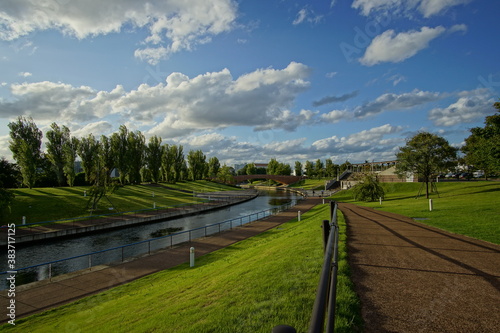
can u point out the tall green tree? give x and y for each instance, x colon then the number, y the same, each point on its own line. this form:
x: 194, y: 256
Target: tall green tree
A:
x: 273, y: 167
x: 213, y: 166
x: 298, y: 168
x: 309, y: 166
x: 154, y: 154
x: 178, y: 162
x: 319, y: 168
x: 70, y: 152
x: 106, y: 158
x: 88, y: 150
x: 251, y: 169
x: 482, y: 147
x: 226, y: 174
x: 197, y: 164
x: 119, y: 144
x: 136, y: 146
x: 167, y: 163
x: 330, y: 169
x: 58, y: 137
x: 426, y: 155
x: 25, y: 143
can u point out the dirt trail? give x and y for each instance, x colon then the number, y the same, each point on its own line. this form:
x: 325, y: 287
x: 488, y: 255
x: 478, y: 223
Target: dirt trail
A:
x: 415, y: 278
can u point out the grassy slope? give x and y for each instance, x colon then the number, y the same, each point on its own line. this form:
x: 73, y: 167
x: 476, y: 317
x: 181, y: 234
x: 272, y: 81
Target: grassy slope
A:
x: 468, y: 208
x: 252, y: 286
x: 47, y: 204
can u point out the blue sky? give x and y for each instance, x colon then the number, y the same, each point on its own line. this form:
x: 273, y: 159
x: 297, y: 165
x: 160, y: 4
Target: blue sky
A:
x: 248, y: 81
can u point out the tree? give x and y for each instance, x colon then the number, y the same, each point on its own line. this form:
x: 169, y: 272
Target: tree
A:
x: 106, y: 158
x: 251, y: 169
x: 309, y: 166
x: 425, y: 154
x: 197, y: 164
x: 482, y: 147
x: 319, y: 168
x: 226, y: 174
x: 88, y: 150
x: 57, y: 137
x: 167, y: 163
x: 179, y: 164
x: 298, y: 168
x: 136, y: 145
x: 368, y: 189
x: 213, y: 166
x: 272, y: 167
x: 119, y: 145
x: 9, y: 174
x: 154, y: 155
x: 70, y: 151
x: 26, y: 140
x: 329, y: 168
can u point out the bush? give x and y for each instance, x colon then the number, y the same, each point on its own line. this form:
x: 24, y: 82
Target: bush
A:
x: 368, y: 189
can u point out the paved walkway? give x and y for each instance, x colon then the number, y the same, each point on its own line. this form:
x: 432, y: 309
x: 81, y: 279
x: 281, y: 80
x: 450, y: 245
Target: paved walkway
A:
x: 46, y: 294
x: 415, y: 278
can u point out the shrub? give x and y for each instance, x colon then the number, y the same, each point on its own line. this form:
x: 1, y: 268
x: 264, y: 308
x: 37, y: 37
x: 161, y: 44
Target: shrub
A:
x: 368, y: 189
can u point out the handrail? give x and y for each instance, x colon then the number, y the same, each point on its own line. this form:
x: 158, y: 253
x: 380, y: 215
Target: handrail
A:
x: 324, y: 304
x: 265, y: 213
x: 327, y: 288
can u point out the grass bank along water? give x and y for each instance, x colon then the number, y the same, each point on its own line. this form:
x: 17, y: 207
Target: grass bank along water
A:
x: 467, y: 208
x: 251, y: 286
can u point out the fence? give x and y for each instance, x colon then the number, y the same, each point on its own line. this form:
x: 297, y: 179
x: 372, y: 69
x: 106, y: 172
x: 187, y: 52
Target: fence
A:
x: 48, y: 270
x: 324, y: 305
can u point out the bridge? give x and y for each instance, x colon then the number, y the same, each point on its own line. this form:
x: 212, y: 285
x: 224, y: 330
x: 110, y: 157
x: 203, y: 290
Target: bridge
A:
x: 285, y: 180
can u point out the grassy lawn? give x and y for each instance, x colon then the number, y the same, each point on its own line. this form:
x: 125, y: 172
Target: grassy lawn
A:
x: 311, y: 184
x: 252, y: 286
x: 467, y: 208
x: 54, y: 203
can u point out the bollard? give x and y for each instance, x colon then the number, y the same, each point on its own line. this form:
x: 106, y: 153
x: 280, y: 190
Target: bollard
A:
x: 430, y: 205
x: 380, y: 199
x: 84, y: 193
x: 283, y: 329
x: 298, y: 215
x: 191, y: 257
x: 153, y: 194
x: 154, y: 205
x: 323, y: 201
x: 24, y: 219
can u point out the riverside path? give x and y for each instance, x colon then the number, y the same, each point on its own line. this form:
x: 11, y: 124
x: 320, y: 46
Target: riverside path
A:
x: 411, y: 277
x: 45, y: 295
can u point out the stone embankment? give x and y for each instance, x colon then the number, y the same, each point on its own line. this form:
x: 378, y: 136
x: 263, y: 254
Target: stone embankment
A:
x: 216, y: 200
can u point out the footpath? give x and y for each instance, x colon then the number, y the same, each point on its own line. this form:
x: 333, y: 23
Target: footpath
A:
x: 45, y: 295
x: 411, y: 277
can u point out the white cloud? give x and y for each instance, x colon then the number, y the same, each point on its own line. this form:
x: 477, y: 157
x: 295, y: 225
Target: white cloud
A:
x: 182, y: 105
x: 392, y: 47
x: 307, y: 15
x: 471, y: 106
x: 181, y: 25
x: 25, y: 74
x: 388, y: 102
x: 427, y: 8
x: 433, y: 7
x: 335, y: 116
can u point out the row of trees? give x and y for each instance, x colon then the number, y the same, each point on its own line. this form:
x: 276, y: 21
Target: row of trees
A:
x: 126, y: 151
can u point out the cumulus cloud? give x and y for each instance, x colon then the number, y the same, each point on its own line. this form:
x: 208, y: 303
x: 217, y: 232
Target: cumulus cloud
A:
x: 392, y: 47
x: 471, y: 106
x: 369, y: 141
x: 173, y: 25
x: 306, y: 15
x: 335, y: 99
x: 25, y: 74
x: 335, y: 116
x: 182, y: 105
x: 427, y: 8
x: 390, y: 101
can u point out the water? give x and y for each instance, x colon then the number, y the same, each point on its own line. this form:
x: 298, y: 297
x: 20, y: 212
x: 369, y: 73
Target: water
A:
x: 30, y: 255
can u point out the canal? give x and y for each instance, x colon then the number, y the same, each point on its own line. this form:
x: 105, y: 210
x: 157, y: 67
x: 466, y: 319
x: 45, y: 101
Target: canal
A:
x: 33, y: 254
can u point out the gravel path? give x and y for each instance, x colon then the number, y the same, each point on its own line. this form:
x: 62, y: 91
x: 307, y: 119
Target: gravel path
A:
x: 415, y: 278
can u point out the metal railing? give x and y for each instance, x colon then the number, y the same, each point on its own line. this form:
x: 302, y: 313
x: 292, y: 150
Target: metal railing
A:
x: 324, y: 305
x: 50, y: 269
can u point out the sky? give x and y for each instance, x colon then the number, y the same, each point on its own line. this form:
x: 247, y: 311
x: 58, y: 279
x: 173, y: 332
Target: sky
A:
x: 251, y: 80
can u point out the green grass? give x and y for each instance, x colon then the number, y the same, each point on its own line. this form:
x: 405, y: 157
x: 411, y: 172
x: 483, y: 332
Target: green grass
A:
x: 311, y: 184
x: 467, y: 208
x: 252, y: 286
x: 55, y: 203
